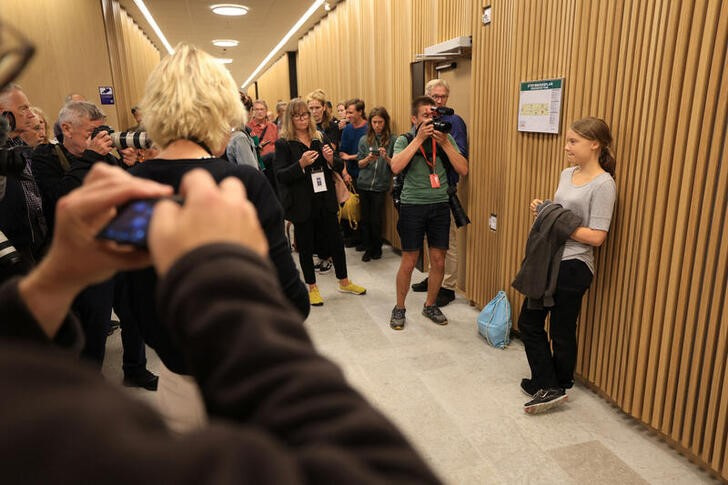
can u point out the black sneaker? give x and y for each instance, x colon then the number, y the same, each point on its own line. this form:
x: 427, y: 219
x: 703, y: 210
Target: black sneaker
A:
x: 113, y: 327
x: 377, y: 255
x: 528, y: 387
x: 397, y: 319
x: 545, y: 399
x: 143, y: 379
x: 323, y: 267
x: 366, y: 257
x: 444, y: 296
x: 433, y: 313
x: 360, y: 247
x: 420, y: 287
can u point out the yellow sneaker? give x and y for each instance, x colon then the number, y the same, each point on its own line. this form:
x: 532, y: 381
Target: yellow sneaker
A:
x: 352, y: 288
x: 315, y: 297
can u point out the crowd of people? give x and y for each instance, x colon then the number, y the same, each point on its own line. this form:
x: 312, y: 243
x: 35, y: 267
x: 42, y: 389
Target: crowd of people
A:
x: 223, y: 255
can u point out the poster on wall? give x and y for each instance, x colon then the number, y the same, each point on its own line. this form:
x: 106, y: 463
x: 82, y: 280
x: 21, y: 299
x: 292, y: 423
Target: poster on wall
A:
x: 106, y: 93
x: 539, y: 108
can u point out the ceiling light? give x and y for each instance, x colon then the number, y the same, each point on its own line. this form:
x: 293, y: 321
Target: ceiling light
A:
x: 229, y: 9
x: 327, y: 6
x: 312, y: 9
x: 223, y: 60
x: 147, y: 15
x: 225, y: 42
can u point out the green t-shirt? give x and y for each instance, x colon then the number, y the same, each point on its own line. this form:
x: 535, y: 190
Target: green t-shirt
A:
x: 417, y: 188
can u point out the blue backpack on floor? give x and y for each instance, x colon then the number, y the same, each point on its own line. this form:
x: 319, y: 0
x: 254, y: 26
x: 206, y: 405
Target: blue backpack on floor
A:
x: 494, y: 322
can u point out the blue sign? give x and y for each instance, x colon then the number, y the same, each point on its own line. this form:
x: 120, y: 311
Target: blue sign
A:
x: 106, y: 93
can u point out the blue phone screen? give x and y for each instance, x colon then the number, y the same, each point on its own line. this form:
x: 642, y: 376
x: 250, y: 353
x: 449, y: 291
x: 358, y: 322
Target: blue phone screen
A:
x: 131, y: 224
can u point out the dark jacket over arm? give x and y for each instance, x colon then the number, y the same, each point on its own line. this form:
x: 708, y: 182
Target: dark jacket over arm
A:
x: 290, y: 416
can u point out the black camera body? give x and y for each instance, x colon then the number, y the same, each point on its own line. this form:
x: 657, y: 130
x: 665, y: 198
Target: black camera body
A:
x: 441, y: 125
x: 12, y: 162
x: 373, y: 151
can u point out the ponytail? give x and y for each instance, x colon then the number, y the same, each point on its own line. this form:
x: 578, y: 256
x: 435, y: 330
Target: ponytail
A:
x: 607, y: 161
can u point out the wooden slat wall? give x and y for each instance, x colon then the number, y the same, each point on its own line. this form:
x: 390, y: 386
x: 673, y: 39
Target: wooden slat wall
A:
x: 653, y: 331
x: 273, y: 85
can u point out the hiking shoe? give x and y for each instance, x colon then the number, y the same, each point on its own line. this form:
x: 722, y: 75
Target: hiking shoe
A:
x: 397, y: 319
x: 444, y: 296
x: 420, y: 287
x: 323, y: 267
x: 433, y: 313
x: 314, y: 297
x: 352, y: 288
x: 545, y: 399
x: 528, y: 387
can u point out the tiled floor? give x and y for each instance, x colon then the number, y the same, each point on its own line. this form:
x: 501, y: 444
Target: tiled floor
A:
x: 458, y: 399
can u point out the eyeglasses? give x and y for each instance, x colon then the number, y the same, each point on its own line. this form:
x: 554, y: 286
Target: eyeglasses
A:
x: 301, y: 116
x: 15, y: 52
x: 440, y: 96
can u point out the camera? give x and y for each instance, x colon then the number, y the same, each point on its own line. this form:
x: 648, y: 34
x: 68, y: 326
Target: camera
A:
x: 11, y: 262
x: 441, y: 125
x: 374, y: 151
x: 125, y: 139
x: 456, y: 208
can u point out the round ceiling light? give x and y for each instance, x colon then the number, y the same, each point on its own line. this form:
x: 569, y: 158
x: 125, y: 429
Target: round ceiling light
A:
x: 223, y: 60
x: 229, y: 9
x: 225, y: 42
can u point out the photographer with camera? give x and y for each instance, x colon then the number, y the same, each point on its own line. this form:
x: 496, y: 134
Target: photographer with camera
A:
x: 424, y: 203
x: 61, y: 168
x: 439, y: 91
x: 21, y: 212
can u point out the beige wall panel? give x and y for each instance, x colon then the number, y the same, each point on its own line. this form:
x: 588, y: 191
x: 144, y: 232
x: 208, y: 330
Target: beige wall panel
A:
x: 273, y: 85
x: 71, y: 54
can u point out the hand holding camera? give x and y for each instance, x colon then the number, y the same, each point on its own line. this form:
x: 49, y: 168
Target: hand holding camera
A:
x: 308, y: 158
x: 100, y: 142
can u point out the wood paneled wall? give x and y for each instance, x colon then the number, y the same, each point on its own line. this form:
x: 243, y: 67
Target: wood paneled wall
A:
x: 71, y: 53
x: 273, y: 85
x: 654, y: 327
x: 74, y: 54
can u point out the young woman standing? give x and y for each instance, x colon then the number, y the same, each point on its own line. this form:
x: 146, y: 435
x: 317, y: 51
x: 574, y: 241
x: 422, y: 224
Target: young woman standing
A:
x: 304, y: 166
x: 375, y: 177
x: 587, y: 189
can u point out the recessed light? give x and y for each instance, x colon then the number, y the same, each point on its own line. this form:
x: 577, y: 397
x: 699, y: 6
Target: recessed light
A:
x: 223, y: 60
x: 225, y: 42
x: 229, y: 9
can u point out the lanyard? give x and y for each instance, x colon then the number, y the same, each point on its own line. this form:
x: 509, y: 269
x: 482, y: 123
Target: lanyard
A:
x: 434, y: 154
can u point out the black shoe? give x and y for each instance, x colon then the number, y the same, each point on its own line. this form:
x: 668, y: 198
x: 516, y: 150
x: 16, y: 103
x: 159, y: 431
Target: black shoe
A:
x: 545, y: 399
x: 113, y: 327
x: 444, y: 296
x: 420, y: 287
x: 377, y: 255
x: 348, y: 243
x: 568, y: 384
x: 366, y: 258
x: 528, y: 387
x: 433, y: 313
x: 396, y: 321
x: 360, y: 247
x: 143, y: 379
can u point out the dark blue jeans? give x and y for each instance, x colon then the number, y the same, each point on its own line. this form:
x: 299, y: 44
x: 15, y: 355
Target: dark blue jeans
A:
x: 555, y: 368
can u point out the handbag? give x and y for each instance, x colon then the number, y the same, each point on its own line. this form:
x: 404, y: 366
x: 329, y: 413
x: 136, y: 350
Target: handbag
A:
x: 342, y: 193
x: 494, y: 322
x: 350, y: 210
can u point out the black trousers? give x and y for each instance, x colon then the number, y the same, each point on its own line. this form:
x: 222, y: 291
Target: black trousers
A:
x: 93, y: 308
x: 327, y: 224
x: 372, y: 216
x: 134, y: 359
x: 555, y: 368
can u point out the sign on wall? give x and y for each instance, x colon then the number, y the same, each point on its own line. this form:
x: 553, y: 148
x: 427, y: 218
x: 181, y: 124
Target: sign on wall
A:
x: 106, y: 93
x: 539, y: 109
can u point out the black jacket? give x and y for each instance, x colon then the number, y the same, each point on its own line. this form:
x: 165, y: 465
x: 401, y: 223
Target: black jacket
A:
x: 280, y: 412
x: 540, y: 267
x: 141, y: 284
x: 295, y: 185
x: 54, y: 182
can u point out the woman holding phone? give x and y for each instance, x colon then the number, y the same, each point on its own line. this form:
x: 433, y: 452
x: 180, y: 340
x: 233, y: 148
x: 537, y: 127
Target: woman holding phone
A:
x: 304, y: 166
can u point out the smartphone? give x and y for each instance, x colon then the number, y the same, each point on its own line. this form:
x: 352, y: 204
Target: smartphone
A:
x: 130, y: 226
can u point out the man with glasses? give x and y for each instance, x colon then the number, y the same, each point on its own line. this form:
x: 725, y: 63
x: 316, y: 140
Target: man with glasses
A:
x: 439, y: 91
x: 260, y: 127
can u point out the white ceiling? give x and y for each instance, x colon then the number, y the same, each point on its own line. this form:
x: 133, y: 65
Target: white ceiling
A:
x: 258, y: 32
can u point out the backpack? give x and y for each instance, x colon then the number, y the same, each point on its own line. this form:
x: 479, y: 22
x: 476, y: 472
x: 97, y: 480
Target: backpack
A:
x: 494, y: 322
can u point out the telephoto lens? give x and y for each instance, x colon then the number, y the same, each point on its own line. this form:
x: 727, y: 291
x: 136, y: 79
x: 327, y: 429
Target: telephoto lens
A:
x: 458, y: 213
x: 11, y: 263
x: 445, y: 111
x: 131, y: 139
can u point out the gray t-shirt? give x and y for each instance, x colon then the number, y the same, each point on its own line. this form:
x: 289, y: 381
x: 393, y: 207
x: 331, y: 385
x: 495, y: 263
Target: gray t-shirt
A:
x: 593, y: 202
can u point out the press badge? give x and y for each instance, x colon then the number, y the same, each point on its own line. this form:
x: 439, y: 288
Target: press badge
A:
x: 434, y: 181
x: 319, y: 182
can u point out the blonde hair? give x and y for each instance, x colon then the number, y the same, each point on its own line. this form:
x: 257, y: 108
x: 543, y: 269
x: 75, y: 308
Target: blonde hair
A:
x: 434, y: 83
x: 42, y: 116
x: 191, y: 96
x: 320, y: 96
x: 288, y: 131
